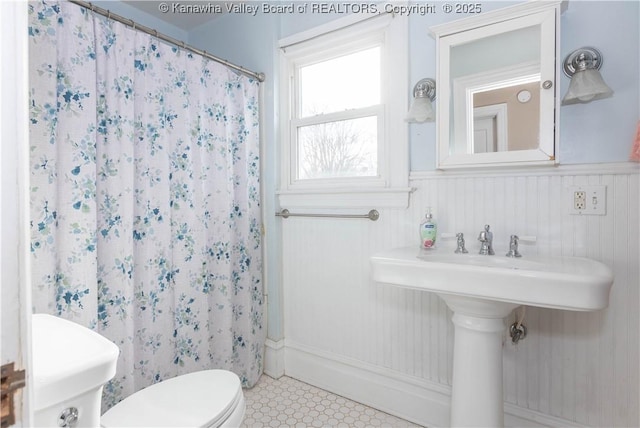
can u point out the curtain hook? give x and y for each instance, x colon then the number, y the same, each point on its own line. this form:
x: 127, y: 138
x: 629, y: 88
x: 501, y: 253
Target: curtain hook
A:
x: 108, y: 14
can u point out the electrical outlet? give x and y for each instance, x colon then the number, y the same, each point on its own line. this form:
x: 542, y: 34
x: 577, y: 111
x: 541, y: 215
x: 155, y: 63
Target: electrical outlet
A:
x: 587, y: 200
x: 579, y: 200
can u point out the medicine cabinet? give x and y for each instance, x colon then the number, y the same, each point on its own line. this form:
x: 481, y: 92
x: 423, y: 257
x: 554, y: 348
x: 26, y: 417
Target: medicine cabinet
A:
x: 498, y: 100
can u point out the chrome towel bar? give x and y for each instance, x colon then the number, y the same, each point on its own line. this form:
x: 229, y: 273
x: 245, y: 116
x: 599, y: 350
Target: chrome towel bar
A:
x: 372, y: 215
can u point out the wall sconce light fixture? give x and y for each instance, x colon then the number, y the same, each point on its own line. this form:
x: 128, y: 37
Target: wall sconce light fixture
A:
x: 586, y: 85
x: 424, y: 92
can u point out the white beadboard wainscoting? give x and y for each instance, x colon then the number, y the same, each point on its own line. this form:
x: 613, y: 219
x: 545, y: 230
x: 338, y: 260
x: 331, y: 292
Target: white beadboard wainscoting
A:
x: 391, y: 348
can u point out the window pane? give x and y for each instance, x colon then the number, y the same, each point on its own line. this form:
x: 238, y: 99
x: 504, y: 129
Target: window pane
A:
x: 347, y: 82
x: 346, y: 148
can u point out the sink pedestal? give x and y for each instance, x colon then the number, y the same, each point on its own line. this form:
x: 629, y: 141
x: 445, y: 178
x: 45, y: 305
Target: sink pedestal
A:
x: 476, y: 397
x: 481, y: 291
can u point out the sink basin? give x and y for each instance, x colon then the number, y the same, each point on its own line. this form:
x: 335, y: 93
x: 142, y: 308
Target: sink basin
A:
x: 570, y: 283
x: 481, y: 291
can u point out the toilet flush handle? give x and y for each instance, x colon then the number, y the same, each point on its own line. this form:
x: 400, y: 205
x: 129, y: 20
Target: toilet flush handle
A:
x: 68, y: 417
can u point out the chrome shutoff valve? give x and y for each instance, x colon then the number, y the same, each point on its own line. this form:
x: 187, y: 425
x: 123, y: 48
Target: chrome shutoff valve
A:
x: 517, y: 332
x: 68, y: 418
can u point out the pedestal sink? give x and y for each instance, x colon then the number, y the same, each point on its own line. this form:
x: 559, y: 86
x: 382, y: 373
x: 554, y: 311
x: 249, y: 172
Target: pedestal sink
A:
x: 481, y: 291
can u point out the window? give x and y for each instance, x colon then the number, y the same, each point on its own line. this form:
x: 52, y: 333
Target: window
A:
x: 339, y: 111
x: 342, y: 107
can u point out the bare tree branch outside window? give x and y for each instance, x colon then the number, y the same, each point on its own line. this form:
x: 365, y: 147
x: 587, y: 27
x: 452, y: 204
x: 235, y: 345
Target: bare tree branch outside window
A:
x: 338, y: 149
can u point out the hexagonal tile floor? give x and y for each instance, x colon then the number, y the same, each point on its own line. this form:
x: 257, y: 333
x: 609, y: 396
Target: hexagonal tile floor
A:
x: 287, y: 402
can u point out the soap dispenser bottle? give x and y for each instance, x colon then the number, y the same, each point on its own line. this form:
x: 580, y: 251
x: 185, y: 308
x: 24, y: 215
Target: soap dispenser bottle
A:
x: 428, y: 231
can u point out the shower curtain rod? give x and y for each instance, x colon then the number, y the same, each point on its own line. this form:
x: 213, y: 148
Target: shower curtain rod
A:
x: 131, y: 23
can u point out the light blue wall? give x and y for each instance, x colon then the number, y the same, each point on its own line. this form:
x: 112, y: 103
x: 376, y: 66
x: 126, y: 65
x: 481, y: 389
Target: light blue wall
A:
x: 602, y: 131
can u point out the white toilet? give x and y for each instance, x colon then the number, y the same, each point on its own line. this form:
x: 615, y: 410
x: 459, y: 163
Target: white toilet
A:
x: 72, y: 363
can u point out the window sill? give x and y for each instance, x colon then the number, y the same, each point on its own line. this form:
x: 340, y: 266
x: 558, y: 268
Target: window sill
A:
x: 345, y: 198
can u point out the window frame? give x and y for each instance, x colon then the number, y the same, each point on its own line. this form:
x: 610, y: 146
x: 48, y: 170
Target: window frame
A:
x: 389, y: 188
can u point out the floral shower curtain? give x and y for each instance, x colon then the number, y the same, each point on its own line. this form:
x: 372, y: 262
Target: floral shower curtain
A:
x: 145, y: 214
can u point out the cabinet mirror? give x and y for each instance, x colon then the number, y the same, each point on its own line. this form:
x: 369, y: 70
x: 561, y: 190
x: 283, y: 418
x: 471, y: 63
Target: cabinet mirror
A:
x: 496, y: 83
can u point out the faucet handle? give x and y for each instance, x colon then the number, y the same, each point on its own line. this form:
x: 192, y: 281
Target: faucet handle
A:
x: 532, y: 239
x: 460, y: 249
x: 513, y: 247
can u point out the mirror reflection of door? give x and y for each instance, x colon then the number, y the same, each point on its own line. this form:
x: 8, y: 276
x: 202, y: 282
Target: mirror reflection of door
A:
x: 521, y: 105
x: 490, y: 132
x: 484, y: 136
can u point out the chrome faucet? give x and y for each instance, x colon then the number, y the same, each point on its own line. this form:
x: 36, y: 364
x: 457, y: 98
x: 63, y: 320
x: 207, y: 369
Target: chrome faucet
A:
x: 460, y: 249
x: 513, y: 247
x: 486, y: 241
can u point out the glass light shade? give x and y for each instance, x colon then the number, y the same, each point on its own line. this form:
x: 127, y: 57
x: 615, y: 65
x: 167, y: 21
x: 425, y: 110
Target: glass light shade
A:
x: 586, y: 85
x: 421, y: 110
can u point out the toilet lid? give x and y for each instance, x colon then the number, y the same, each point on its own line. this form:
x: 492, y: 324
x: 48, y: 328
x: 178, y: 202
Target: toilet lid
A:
x: 200, y: 399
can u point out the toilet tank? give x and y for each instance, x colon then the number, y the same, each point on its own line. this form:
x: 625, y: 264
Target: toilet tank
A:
x: 71, y: 363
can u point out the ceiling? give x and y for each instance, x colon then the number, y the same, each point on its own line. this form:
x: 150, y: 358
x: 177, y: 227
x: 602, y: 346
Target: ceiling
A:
x: 186, y: 18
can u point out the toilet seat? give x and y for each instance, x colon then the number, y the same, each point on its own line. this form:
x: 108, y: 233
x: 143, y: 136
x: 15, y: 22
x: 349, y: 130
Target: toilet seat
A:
x: 208, y: 398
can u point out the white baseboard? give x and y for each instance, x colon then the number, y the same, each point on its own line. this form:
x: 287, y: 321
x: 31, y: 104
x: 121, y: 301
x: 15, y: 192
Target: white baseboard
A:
x: 416, y: 400
x: 274, y: 358
x: 409, y: 398
x: 515, y: 416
